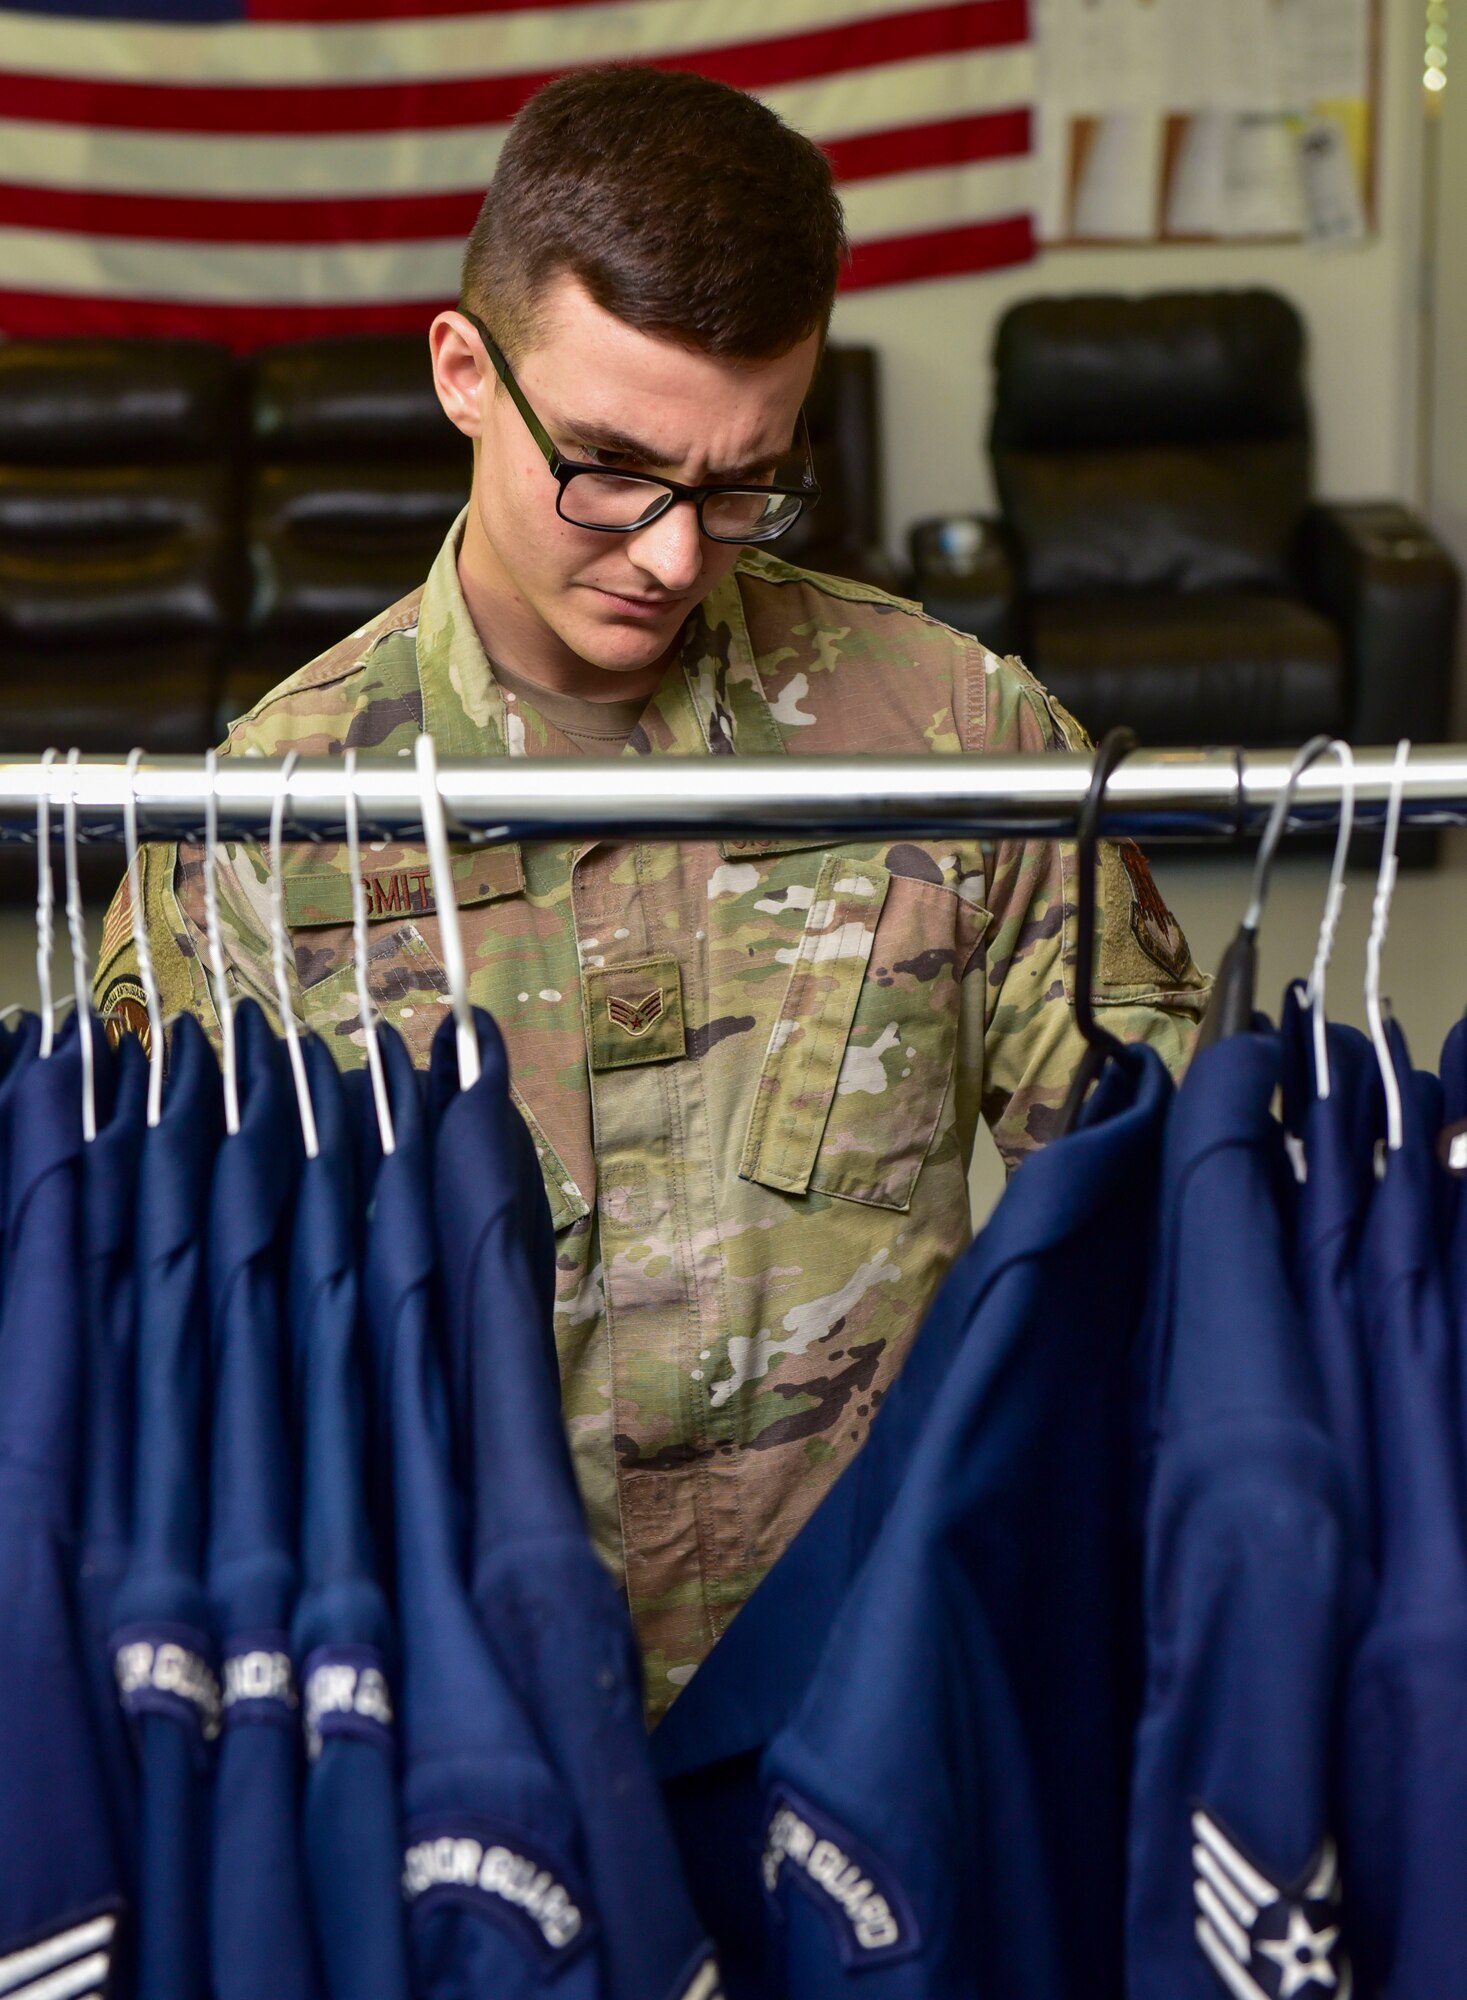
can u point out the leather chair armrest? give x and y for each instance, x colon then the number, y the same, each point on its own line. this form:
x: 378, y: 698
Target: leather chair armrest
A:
x: 1377, y: 570
x: 966, y: 574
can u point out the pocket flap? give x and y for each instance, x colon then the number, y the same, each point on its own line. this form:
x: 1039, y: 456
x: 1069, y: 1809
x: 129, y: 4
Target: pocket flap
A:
x: 797, y: 1082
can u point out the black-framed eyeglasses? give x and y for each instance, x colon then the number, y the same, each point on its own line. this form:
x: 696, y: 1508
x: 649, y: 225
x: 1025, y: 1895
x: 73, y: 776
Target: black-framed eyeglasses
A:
x: 617, y: 503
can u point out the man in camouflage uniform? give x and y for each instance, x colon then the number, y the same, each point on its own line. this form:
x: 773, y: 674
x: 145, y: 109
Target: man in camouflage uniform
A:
x: 753, y: 1069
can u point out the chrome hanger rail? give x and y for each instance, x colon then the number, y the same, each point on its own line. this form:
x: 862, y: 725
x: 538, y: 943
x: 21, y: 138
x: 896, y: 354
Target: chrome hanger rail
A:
x: 1161, y: 794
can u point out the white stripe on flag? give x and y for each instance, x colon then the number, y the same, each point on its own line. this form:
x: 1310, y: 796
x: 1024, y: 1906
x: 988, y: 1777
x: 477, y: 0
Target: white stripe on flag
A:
x: 455, y: 159
x: 397, y: 51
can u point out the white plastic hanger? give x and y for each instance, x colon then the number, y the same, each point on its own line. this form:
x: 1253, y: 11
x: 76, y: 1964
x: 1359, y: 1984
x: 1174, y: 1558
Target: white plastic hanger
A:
x: 445, y: 902
x: 359, y: 956
x: 277, y: 954
x: 1380, y: 916
x: 81, y: 978
x: 45, y: 915
x: 223, y: 1005
x: 140, y: 942
x: 1329, y: 923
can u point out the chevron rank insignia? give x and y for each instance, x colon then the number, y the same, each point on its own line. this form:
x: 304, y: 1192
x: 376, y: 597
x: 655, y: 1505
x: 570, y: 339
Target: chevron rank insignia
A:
x: 634, y: 1013
x: 1267, y: 1940
x: 636, y: 1017
x: 72, y: 1963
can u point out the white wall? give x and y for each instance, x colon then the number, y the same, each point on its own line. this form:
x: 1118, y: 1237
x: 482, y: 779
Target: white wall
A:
x: 1359, y: 308
x: 1447, y: 412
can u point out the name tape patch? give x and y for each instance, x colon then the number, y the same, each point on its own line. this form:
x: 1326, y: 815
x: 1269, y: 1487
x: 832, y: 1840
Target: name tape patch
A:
x: 165, y: 1670
x: 344, y: 1692
x: 493, y: 1873
x: 259, y: 1681
x: 871, y: 1916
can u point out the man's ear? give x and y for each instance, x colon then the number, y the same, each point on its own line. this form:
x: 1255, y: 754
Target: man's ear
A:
x: 457, y: 375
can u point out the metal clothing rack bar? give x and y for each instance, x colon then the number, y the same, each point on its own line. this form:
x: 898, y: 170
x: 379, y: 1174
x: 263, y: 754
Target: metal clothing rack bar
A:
x: 1163, y: 794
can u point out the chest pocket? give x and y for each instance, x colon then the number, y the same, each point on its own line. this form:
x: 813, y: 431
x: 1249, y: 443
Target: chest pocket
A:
x: 861, y: 1057
x: 405, y: 975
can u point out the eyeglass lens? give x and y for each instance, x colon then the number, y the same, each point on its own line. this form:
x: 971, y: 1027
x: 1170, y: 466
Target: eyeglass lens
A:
x: 605, y: 500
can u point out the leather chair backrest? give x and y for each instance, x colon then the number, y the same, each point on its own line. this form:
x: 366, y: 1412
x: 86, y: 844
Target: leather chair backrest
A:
x: 840, y: 412
x: 357, y: 476
x: 1152, y: 443
x: 118, y: 495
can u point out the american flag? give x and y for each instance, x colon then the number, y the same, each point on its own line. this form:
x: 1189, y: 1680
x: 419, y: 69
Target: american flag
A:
x: 259, y: 170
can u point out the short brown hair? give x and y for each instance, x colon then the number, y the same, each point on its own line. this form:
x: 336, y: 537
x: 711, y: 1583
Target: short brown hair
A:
x: 685, y: 207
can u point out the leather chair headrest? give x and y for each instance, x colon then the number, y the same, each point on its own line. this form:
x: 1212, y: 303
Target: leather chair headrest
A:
x: 365, y: 396
x: 115, y: 402
x: 1096, y: 370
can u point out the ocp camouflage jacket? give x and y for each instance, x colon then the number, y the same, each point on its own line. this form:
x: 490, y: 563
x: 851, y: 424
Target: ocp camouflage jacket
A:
x: 753, y: 1069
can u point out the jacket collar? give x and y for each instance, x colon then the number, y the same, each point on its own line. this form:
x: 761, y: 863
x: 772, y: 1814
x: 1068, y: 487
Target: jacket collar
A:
x: 711, y: 702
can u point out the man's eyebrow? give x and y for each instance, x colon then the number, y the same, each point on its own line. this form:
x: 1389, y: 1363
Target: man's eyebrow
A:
x: 601, y: 437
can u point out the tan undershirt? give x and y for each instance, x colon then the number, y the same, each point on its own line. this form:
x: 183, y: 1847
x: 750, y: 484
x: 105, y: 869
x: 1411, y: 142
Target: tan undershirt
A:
x: 601, y: 727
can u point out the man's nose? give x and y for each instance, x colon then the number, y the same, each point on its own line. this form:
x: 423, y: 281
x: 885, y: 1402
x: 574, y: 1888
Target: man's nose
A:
x: 671, y: 547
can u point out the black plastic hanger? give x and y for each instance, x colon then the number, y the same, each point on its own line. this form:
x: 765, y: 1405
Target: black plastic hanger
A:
x: 1230, y: 1010
x: 1100, y: 1045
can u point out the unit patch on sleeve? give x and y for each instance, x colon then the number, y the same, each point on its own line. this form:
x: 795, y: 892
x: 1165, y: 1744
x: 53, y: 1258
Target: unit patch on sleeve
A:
x: 1267, y: 1940
x: 1153, y: 926
x: 72, y: 1963
x: 125, y: 1012
x: 872, y: 1919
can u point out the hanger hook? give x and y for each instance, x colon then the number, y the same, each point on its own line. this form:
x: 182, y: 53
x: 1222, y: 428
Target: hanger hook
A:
x: 1329, y: 923
x: 288, y: 1024
x: 140, y: 943
x: 359, y: 957
x: 446, y: 903
x: 1380, y: 917
x: 76, y: 927
x: 1273, y: 832
x: 45, y: 907
x: 223, y: 1005
x: 1114, y: 747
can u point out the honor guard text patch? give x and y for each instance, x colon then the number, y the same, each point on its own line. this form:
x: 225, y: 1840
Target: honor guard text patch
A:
x: 465, y: 1862
x: 872, y: 1919
x: 1267, y: 1940
x: 344, y: 1693
x: 259, y: 1682
x: 164, y: 1670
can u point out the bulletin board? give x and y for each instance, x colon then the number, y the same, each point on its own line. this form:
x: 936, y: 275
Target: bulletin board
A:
x: 1194, y: 121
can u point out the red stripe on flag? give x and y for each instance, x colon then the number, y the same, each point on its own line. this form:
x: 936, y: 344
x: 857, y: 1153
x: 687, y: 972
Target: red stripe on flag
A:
x: 940, y: 253
x: 945, y: 142
x: 51, y: 315
x: 167, y: 218
x: 950, y: 29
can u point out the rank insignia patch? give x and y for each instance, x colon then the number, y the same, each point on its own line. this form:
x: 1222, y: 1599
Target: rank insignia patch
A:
x: 634, y: 1013
x: 1153, y: 926
x: 1267, y: 1940
x: 636, y: 1017
x: 73, y: 1963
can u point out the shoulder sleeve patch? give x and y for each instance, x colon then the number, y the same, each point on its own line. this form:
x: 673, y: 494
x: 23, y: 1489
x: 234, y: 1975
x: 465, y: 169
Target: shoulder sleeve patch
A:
x: 1142, y: 944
